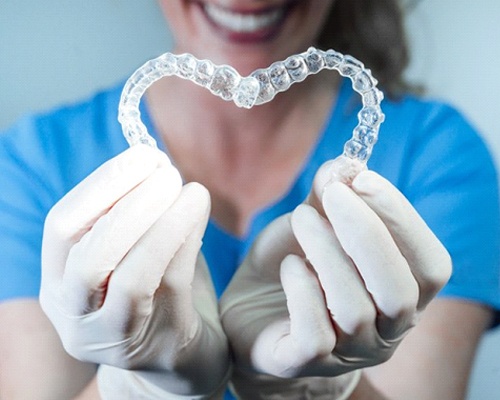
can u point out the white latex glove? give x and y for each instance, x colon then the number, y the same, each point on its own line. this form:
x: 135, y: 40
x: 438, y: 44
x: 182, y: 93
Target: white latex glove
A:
x: 120, y: 262
x: 331, y: 288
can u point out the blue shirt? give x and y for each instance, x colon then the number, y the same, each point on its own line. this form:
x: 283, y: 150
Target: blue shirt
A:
x: 426, y: 149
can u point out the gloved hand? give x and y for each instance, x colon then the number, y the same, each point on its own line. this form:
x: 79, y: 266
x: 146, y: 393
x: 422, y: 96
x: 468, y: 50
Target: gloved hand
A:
x: 120, y: 262
x: 331, y: 288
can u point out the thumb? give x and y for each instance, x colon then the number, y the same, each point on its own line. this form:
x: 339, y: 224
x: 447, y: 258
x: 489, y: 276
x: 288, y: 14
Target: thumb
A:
x: 341, y: 169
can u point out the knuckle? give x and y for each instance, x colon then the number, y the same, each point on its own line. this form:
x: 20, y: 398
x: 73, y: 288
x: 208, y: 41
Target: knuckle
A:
x: 441, y: 274
x: 59, y: 224
x: 385, y: 355
x: 319, y: 344
x: 403, y: 304
x: 54, y: 222
x: 44, y: 299
x: 377, y: 353
x: 438, y: 274
x: 359, y: 321
x: 403, y: 310
x: 72, y: 342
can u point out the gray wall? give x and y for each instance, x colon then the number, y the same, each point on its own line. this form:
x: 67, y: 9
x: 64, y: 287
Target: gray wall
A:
x: 54, y: 51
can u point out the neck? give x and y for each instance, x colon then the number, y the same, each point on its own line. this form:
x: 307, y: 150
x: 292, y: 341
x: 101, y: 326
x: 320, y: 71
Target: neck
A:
x: 246, y: 158
x: 184, y: 111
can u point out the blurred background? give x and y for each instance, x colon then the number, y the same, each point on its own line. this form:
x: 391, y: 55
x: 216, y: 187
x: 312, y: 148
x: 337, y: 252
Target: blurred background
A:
x: 54, y: 52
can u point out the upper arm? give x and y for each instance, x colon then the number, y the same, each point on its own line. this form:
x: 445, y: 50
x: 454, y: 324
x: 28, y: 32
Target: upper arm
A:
x: 435, y: 359
x: 33, y: 363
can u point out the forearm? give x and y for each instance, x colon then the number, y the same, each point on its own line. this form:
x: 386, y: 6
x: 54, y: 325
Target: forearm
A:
x: 33, y: 364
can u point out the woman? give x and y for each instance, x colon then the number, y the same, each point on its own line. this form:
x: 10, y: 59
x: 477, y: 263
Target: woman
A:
x: 330, y: 287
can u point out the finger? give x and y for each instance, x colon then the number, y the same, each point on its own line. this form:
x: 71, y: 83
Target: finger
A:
x: 284, y: 348
x: 175, y: 294
x: 272, y: 246
x: 96, y: 255
x: 341, y: 169
x: 429, y: 261
x: 76, y: 213
x: 205, y: 301
x: 350, y: 305
x: 193, y: 209
x: 163, y: 262
x: 384, y: 270
x: 259, y: 275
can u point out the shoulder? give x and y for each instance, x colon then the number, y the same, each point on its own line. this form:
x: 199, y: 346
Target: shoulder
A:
x: 70, y: 140
x: 419, y: 121
x: 422, y: 140
x: 77, y: 125
x: 41, y: 158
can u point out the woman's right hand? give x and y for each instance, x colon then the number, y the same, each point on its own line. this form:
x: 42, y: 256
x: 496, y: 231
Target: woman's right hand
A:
x: 120, y: 259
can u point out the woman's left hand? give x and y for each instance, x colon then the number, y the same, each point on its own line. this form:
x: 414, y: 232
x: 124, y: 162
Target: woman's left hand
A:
x: 335, y: 285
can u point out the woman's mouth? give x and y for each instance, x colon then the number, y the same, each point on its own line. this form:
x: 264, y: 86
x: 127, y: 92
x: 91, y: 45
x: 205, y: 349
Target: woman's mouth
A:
x: 247, y: 25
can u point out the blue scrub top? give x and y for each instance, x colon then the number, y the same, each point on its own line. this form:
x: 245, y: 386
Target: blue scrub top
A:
x: 426, y: 149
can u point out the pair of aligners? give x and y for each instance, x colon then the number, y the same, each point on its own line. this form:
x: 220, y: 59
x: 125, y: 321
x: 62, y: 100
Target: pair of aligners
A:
x: 258, y: 88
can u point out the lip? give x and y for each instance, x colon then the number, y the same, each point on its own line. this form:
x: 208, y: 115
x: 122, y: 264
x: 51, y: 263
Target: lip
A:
x: 263, y: 34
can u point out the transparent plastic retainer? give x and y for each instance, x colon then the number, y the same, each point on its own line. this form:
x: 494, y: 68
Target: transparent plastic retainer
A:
x: 258, y: 88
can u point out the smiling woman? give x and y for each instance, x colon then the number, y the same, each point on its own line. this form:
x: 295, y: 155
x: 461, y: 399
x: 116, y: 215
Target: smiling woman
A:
x: 308, y: 286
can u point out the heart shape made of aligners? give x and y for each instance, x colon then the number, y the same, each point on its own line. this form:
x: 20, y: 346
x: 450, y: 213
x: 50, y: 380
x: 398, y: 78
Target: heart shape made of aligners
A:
x: 258, y: 88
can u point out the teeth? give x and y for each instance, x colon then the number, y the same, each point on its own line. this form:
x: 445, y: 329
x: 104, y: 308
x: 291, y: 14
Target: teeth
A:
x: 242, y: 22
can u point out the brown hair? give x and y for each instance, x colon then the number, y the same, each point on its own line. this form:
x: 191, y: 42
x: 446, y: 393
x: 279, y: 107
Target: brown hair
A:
x: 373, y: 32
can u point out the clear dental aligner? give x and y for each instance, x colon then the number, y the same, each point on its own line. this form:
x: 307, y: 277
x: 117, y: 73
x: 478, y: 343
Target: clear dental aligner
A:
x: 258, y: 88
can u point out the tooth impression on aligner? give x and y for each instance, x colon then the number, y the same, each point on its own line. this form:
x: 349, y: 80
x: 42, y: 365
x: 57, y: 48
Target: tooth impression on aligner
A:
x: 186, y: 65
x: 279, y: 76
x: 267, y: 91
x: 314, y: 60
x: 258, y: 88
x: 168, y: 63
x: 332, y: 59
x: 350, y: 66
x: 363, y: 81
x: 224, y: 82
x: 297, y: 68
x: 247, y: 92
x: 204, y: 72
x: 373, y: 97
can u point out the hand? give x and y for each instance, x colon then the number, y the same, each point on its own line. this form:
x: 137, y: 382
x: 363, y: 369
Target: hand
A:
x: 332, y: 287
x: 120, y: 255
